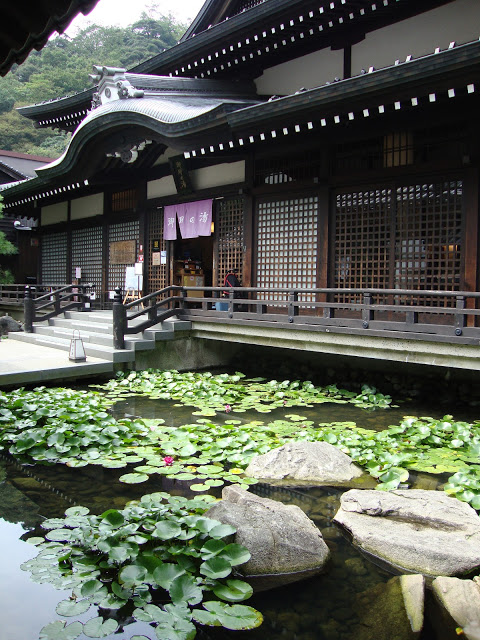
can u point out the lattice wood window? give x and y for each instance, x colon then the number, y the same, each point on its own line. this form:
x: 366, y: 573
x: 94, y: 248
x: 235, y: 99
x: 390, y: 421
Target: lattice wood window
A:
x: 87, y: 254
x: 54, y: 258
x: 116, y: 233
x: 124, y: 200
x: 229, y: 230
x: 405, y: 237
x: 428, y: 239
x: 287, y: 244
x: 398, y: 149
x: 157, y: 274
x: 363, y: 235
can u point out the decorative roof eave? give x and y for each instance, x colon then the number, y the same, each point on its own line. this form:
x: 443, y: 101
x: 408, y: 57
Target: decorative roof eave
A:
x: 108, y: 122
x: 272, y: 32
x: 257, y: 38
x: 410, y: 84
x: 24, y: 28
x: 399, y: 81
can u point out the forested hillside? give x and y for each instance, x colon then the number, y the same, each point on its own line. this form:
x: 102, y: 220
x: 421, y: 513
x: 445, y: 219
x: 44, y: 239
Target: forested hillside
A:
x: 62, y: 68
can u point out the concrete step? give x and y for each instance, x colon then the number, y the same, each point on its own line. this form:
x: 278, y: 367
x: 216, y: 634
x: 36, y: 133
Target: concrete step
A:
x: 94, y: 350
x: 135, y: 342
x: 81, y: 325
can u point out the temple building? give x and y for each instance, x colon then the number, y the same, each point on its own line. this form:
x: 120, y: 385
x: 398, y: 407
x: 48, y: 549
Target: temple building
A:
x: 326, y: 143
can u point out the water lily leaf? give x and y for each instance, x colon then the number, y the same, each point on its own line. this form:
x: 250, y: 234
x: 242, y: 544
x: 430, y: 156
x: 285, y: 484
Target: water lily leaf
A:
x: 69, y: 608
x: 59, y: 630
x: 235, y: 554
x: 236, y: 617
x: 167, y: 529
x: 113, y: 517
x: 132, y: 575
x: 185, y: 589
x: 60, y: 535
x: 216, y: 568
x: 100, y: 628
x: 166, y: 573
x: 134, y: 478
x: 221, y: 531
x: 90, y: 587
x: 77, y: 511
x: 35, y: 540
x: 233, y: 591
x: 77, y: 463
x: 199, y: 487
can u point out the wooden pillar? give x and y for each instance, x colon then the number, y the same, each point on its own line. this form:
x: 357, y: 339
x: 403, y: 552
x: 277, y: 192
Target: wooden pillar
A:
x: 471, y: 209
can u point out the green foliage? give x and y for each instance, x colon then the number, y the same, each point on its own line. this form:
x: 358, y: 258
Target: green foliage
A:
x: 61, y: 68
x: 160, y: 548
x: 224, y: 393
x: 6, y: 249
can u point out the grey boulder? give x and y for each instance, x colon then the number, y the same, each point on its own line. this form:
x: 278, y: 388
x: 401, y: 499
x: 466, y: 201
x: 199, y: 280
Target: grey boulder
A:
x: 7, y: 324
x: 413, y: 531
x: 308, y: 463
x: 284, y: 544
x: 459, y: 602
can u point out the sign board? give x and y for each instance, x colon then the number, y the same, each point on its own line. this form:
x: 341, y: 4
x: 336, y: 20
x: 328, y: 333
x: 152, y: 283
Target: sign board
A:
x: 156, y: 258
x: 123, y: 252
x: 139, y: 268
x: 132, y: 280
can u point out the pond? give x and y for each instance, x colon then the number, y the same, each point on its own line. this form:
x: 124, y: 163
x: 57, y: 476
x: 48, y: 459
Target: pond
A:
x: 329, y: 606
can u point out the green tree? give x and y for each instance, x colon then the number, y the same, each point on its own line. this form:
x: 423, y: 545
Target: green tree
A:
x: 62, y: 68
x: 6, y: 249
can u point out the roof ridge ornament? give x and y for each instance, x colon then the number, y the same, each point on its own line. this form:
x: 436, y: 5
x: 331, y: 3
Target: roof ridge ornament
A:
x: 112, y: 85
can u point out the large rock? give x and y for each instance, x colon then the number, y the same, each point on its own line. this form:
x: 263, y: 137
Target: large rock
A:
x: 459, y: 602
x: 413, y: 531
x: 284, y: 543
x: 393, y: 610
x: 308, y: 463
x: 7, y: 324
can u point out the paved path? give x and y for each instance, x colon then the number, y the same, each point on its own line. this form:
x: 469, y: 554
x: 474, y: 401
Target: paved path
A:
x: 24, y: 363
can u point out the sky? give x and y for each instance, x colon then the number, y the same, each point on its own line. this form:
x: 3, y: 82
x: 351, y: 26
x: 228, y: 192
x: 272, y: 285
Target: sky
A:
x: 124, y: 12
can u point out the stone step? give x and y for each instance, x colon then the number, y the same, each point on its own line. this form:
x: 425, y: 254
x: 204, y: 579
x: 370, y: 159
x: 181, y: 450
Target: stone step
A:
x: 81, y: 325
x: 94, y: 350
x: 135, y: 342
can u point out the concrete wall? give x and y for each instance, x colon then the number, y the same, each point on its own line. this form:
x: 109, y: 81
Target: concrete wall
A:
x: 309, y: 71
x: 187, y: 353
x: 419, y: 36
x: 87, y: 207
x: 54, y: 213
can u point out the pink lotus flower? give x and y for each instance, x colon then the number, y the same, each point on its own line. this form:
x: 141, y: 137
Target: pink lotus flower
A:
x: 168, y: 460
x: 228, y: 408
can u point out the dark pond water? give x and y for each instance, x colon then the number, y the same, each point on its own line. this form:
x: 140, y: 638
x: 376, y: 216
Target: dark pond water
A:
x: 331, y: 606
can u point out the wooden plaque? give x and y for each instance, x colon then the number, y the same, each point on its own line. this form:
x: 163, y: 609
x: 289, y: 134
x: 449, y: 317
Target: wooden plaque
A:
x: 123, y: 252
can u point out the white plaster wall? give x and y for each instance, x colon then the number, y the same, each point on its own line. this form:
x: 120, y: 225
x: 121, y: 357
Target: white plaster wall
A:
x: 162, y: 187
x: 419, y: 36
x: 87, y: 207
x: 218, y: 175
x: 54, y: 213
x: 312, y: 70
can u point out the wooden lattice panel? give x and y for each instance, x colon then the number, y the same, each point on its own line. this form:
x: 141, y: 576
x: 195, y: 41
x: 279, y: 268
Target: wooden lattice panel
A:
x: 157, y: 274
x: 404, y: 237
x: 287, y: 244
x: 117, y: 233
x: 363, y: 235
x: 229, y: 229
x: 87, y: 254
x: 54, y: 258
x: 428, y: 239
x: 124, y: 200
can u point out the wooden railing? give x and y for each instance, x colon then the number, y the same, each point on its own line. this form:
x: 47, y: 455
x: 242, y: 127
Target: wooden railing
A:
x: 55, y: 301
x: 446, y: 316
